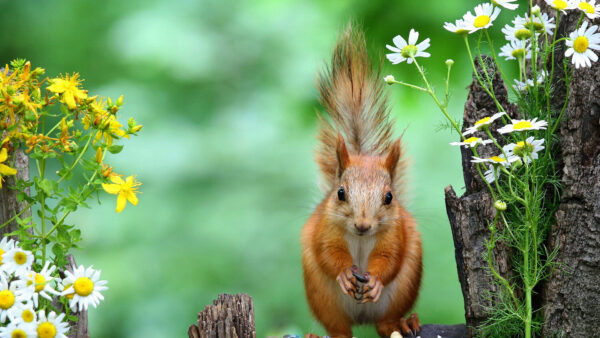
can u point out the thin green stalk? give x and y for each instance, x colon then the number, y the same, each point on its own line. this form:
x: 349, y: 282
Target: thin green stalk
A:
x: 484, y: 86
x: 78, y: 158
x: 504, y: 77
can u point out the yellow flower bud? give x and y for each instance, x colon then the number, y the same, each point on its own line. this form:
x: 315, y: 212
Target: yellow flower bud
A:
x: 120, y: 100
x: 500, y: 205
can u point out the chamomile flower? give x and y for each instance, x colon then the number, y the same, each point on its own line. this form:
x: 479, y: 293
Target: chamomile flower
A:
x: 518, y: 31
x: 39, y: 282
x: 51, y: 326
x: 541, y: 24
x: 590, y: 8
x: 482, y: 123
x: 26, y: 314
x: 508, y: 4
x: 12, y: 300
x: 82, y: 287
x: 520, y: 125
x: 471, y: 142
x: 516, y: 49
x: 18, y: 330
x: 561, y: 5
x: 495, y: 160
x: 580, y: 43
x: 492, y: 174
x: 17, y: 261
x: 404, y: 51
x: 527, y: 150
x: 460, y: 27
x: 485, y: 14
x: 6, y: 244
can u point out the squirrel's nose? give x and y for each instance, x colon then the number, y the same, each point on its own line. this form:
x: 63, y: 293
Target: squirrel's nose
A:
x: 362, y: 227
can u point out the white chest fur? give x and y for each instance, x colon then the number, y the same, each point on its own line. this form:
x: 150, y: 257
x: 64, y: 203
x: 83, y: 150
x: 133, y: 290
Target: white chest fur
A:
x: 360, y: 248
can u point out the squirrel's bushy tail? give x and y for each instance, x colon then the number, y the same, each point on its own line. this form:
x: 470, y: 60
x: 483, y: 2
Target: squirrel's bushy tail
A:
x: 352, y: 92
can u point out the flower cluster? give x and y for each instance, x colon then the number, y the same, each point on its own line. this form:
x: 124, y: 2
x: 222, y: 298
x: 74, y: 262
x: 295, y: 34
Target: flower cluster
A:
x: 22, y: 283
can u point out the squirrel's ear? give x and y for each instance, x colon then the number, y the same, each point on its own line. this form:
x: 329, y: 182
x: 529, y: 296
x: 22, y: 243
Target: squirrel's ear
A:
x: 393, y: 157
x: 342, y: 155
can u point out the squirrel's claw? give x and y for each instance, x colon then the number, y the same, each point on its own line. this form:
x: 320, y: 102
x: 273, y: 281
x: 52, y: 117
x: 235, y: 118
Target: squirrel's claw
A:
x: 410, y: 326
x: 347, y: 282
x: 372, y: 291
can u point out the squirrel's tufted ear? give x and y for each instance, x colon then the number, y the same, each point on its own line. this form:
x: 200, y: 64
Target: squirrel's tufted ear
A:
x: 342, y: 155
x: 393, y: 157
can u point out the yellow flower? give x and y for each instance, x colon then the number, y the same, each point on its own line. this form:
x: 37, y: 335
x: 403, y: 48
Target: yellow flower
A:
x: 125, y: 189
x: 4, y: 169
x: 68, y: 86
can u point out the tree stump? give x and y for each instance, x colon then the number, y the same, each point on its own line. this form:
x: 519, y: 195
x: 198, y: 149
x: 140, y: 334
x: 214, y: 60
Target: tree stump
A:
x: 230, y: 316
x: 570, y: 297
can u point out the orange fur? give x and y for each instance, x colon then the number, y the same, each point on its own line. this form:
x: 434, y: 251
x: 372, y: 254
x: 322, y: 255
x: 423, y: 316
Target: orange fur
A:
x: 359, y: 228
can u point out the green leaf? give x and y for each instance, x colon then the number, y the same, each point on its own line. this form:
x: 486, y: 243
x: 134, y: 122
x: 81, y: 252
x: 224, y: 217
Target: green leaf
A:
x: 115, y: 149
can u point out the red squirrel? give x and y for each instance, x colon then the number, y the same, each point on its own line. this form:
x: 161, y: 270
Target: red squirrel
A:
x: 360, y: 231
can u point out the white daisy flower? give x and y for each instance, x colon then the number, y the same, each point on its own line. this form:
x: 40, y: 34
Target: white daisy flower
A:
x: 6, y: 244
x: 26, y: 314
x: 580, y: 43
x: 485, y: 14
x: 518, y: 31
x: 407, y: 51
x: 471, y: 142
x: 590, y: 8
x: 84, y: 286
x: 520, y: 125
x: 18, y: 330
x: 546, y: 24
x: 527, y: 150
x: 496, y: 160
x: 459, y: 27
x: 17, y: 261
x: 508, y: 4
x: 492, y: 174
x: 482, y: 123
x: 51, y: 326
x: 12, y: 300
x: 523, y: 86
x: 516, y: 49
x: 39, y: 282
x: 561, y: 5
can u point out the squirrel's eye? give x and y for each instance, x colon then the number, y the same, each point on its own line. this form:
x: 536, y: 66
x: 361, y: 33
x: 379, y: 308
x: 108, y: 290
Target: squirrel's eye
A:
x: 341, y: 194
x: 388, y: 198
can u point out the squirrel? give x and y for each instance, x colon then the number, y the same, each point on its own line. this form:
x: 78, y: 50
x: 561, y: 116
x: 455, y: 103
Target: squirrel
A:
x: 360, y: 226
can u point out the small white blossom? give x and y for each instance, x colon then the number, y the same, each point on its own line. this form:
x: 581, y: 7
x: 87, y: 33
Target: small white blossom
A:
x: 520, y: 125
x: 561, y: 5
x: 508, y: 4
x: 516, y: 49
x: 482, y: 123
x: 406, y: 51
x: 82, y: 287
x: 527, y: 150
x: 485, y: 14
x: 471, y: 142
x: 590, y: 8
x: 459, y: 27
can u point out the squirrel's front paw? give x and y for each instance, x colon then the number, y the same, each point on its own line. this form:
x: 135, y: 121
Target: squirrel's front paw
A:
x: 348, y: 282
x: 372, y: 290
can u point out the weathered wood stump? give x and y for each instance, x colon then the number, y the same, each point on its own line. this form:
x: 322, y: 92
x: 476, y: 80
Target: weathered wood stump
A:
x: 230, y: 316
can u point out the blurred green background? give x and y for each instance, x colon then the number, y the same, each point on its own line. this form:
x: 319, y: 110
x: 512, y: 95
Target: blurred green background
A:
x: 225, y: 90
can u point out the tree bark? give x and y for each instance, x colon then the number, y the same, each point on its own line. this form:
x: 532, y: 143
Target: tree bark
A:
x: 230, y: 316
x: 472, y: 213
x: 571, y: 295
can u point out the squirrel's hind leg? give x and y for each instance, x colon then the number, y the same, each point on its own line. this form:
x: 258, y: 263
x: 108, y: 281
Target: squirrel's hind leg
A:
x: 406, y: 326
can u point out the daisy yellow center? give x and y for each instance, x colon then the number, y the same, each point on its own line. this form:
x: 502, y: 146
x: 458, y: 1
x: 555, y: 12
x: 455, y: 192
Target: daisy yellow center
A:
x: 27, y: 316
x: 20, y: 258
x: 472, y: 140
x: 1, y: 253
x: 523, y: 148
x: 522, y: 125
x: 587, y: 7
x: 523, y: 34
x: 46, y: 330
x: 40, y: 282
x: 481, y: 21
x: 484, y: 120
x: 409, y: 51
x: 497, y: 159
x: 518, y: 53
x: 7, y: 299
x: 18, y: 333
x: 83, y: 286
x: 559, y: 4
x: 581, y: 44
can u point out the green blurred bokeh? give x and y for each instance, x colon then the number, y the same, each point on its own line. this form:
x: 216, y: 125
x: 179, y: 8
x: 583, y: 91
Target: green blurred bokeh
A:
x: 225, y: 90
